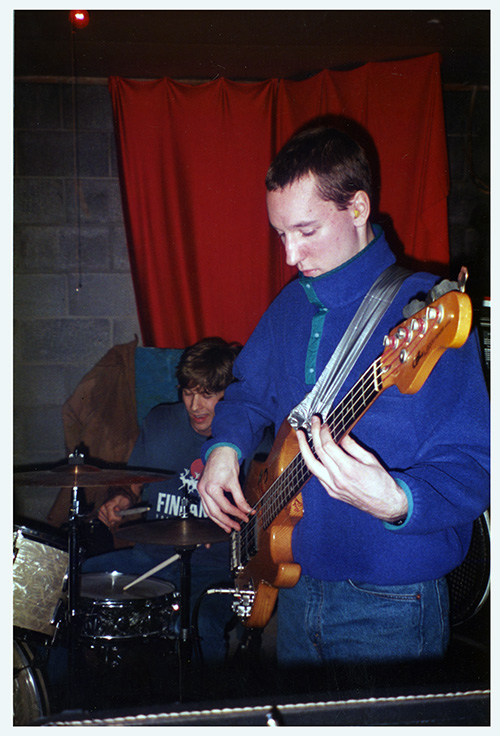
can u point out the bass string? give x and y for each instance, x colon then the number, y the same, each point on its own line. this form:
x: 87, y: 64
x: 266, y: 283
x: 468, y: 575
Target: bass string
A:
x: 287, y: 484
x: 266, y: 507
x: 285, y: 487
x: 354, y: 403
x: 297, y: 473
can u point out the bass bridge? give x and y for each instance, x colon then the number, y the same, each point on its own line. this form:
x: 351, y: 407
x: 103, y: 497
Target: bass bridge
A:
x: 243, y: 548
x: 243, y: 603
x: 244, y: 545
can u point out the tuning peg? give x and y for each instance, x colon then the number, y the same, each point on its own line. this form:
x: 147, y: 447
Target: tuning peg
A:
x: 419, y: 325
x: 403, y: 334
x: 462, y: 278
x: 434, y: 314
x: 391, y: 341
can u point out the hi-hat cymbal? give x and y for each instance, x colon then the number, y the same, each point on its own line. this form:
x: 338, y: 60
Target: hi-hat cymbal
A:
x: 176, y: 532
x: 82, y: 476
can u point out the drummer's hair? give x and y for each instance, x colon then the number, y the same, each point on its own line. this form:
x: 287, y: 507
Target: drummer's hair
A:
x: 207, y: 365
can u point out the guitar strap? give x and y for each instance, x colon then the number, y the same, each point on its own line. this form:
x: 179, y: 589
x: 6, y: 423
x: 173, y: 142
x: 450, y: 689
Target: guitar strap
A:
x: 371, y: 310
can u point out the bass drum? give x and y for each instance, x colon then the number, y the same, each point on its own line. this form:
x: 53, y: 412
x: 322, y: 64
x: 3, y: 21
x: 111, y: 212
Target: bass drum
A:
x: 30, y: 693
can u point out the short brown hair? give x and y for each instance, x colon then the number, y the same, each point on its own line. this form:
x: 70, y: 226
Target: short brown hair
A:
x: 338, y: 163
x: 207, y: 365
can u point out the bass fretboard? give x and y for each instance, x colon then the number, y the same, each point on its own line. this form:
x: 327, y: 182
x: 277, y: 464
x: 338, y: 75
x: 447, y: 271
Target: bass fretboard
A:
x: 289, y: 483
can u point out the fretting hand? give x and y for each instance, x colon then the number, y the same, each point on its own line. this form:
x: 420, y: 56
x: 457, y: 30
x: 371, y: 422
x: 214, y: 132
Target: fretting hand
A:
x: 351, y: 474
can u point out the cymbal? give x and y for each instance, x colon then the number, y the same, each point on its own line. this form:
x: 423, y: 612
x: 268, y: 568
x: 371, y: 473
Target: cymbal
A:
x: 176, y: 532
x: 82, y: 476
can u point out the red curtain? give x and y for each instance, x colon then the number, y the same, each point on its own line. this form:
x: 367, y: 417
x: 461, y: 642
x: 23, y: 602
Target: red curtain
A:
x: 193, y: 160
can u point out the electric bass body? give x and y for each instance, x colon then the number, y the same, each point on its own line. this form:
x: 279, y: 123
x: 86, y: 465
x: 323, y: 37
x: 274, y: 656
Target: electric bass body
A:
x: 273, y: 566
x: 261, y: 552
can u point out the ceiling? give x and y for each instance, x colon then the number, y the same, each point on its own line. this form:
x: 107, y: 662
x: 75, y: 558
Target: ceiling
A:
x: 247, y: 44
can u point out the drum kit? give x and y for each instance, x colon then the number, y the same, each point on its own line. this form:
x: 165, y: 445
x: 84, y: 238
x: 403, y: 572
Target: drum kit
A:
x: 53, y: 601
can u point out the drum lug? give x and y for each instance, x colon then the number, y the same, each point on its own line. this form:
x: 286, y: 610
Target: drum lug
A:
x: 176, y: 602
x: 65, y: 583
x: 17, y: 534
x: 59, y: 614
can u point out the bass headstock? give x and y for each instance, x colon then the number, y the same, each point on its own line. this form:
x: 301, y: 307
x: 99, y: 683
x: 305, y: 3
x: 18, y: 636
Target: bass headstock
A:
x: 413, y: 348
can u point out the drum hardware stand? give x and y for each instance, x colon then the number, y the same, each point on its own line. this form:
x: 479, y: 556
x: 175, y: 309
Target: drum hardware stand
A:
x: 185, y: 634
x: 77, y: 475
x: 185, y: 533
x: 75, y: 458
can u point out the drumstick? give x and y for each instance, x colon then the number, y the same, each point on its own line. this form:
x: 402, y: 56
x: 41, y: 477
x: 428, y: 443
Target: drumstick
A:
x: 125, y: 512
x: 153, y: 570
x: 134, y: 510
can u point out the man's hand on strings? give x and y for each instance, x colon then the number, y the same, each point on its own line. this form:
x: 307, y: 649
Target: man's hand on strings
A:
x: 351, y: 474
x: 221, y: 477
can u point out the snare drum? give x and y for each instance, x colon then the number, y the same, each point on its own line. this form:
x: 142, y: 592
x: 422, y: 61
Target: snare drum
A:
x: 40, y: 576
x: 111, y: 614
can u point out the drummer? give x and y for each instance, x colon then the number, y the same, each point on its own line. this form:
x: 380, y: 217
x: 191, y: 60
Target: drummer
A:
x: 170, y: 441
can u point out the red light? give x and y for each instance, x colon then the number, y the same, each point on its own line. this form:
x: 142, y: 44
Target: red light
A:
x: 79, y: 18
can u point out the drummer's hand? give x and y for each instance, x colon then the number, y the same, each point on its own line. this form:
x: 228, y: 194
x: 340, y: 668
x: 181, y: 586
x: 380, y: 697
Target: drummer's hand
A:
x: 220, y: 477
x: 109, y: 511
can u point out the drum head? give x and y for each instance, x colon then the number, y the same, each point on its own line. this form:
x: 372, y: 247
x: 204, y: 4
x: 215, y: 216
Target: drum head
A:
x: 104, y: 586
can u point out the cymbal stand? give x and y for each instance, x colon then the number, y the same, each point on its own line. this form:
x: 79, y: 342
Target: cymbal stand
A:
x: 75, y: 458
x: 185, y: 636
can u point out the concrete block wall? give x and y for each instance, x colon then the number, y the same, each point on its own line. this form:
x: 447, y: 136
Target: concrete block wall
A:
x: 73, y: 290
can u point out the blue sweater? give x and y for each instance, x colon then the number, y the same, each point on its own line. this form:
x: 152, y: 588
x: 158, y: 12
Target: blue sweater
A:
x: 435, y: 443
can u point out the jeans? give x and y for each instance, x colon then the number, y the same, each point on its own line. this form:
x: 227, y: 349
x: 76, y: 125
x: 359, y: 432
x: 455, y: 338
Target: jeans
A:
x: 214, y: 611
x: 323, y: 622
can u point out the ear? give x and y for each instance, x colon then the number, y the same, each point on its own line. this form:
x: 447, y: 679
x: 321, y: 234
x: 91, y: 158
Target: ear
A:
x: 360, y: 209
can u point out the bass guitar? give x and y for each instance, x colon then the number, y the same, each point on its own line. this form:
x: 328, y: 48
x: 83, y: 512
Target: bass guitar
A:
x: 261, y: 552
